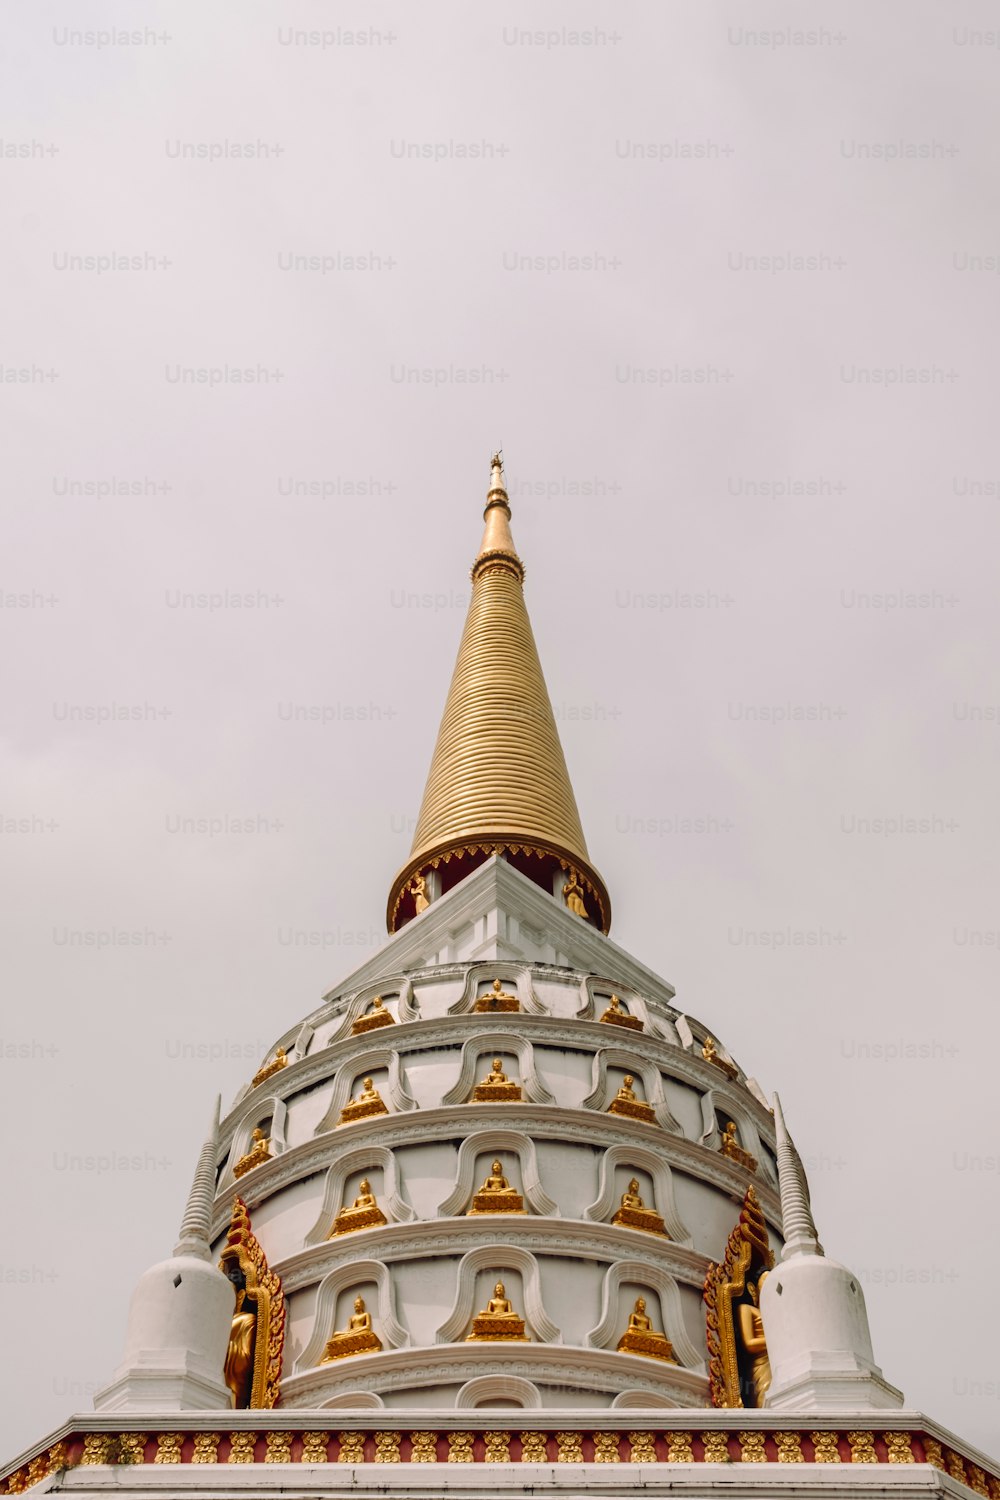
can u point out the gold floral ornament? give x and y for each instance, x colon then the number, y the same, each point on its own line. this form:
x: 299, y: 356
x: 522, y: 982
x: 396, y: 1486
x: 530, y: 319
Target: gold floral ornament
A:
x: 899, y: 1447
x: 496, y: 1087
x: 977, y: 1479
x: 278, y: 1449
x: 278, y: 1061
x: 826, y: 1447
x: 257, y: 1339
x: 607, y: 1447
x: 496, y: 999
x: 789, y: 1446
x: 633, y: 1213
x: 241, y: 1447
x: 716, y: 1446
x: 168, y: 1448
x: 497, y: 1446
x: 367, y: 1103
x: 643, y: 1448
x: 710, y: 1053
x: 498, y: 1320
x: 460, y: 1448
x: 364, y: 1213
x: 569, y: 1447
x: 496, y: 1196
x: 359, y: 1337
x: 679, y: 1450
x: 534, y: 1447
x: 352, y: 1447
x: 374, y: 1018
x: 387, y: 1447
x: 752, y: 1447
x: 423, y: 1447
x: 640, y: 1337
x: 206, y: 1447
x: 726, y: 1290
x: 260, y: 1151
x: 132, y: 1448
x: 315, y: 1447
x: 862, y: 1447
x: 97, y: 1447
x: 731, y: 1148
x: 615, y: 1015
x: 627, y: 1103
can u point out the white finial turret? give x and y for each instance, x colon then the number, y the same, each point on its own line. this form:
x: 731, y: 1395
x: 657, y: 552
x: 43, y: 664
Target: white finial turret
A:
x: 180, y: 1317
x: 814, y: 1315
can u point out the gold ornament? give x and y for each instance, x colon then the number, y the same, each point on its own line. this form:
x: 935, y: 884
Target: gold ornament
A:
x: 641, y: 1338
x: 364, y: 1213
x: 132, y: 1448
x: 352, y: 1447
x: 497, y: 1447
x: 19, y: 1481
x: 367, y: 1103
x: 279, y: 1447
x: 168, y: 1448
x: 498, y: 1320
x: 633, y: 1213
x: 315, y: 1447
x: 496, y: 1087
x: 862, y: 1447
x: 259, y: 1152
x: 752, y: 1447
x: 956, y: 1466
x: 278, y: 1061
x: 573, y: 895
x: 460, y: 1448
x: 643, y: 1448
x: 716, y: 1445
x: 387, y: 1447
x: 423, y: 1447
x: 569, y: 1447
x: 679, y: 1450
x: 626, y: 1103
x: 359, y: 1337
x: 977, y: 1479
x: 731, y: 1148
x: 373, y: 1019
x: 58, y: 1457
x: 534, y: 1447
x: 825, y: 1447
x: 933, y: 1453
x: 899, y: 1446
x: 206, y: 1447
x: 615, y: 1016
x: 496, y: 1196
x: 257, y: 1339
x: 789, y: 1446
x: 417, y: 888
x: 748, y: 1252
x: 496, y: 999
x: 97, y: 1448
x: 241, y: 1447
x: 38, y: 1469
x: 607, y: 1447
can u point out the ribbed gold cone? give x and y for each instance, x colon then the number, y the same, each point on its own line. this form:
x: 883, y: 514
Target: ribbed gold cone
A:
x: 498, y: 777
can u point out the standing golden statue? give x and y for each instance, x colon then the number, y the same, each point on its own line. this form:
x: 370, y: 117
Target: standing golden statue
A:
x: 368, y: 1102
x: 257, y: 1335
x: 573, y: 895
x: 751, y: 1332
x: 633, y: 1213
x: 498, y: 1320
x: 359, y: 1337
x: 417, y: 888
x: 364, y: 1212
x: 496, y: 1196
x: 640, y: 1337
x: 626, y: 1103
x: 496, y: 1087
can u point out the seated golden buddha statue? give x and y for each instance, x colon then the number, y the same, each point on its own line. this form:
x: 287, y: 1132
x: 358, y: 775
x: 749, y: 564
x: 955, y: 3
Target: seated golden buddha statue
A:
x: 615, y: 1016
x: 496, y: 999
x: 260, y: 1150
x: 626, y: 1103
x: 498, y: 1320
x: 633, y: 1213
x: 368, y: 1102
x: 731, y: 1147
x: 359, y: 1337
x: 364, y: 1212
x: 640, y: 1337
x: 496, y: 1196
x: 710, y: 1053
x: 277, y: 1062
x: 496, y: 1087
x: 377, y: 1016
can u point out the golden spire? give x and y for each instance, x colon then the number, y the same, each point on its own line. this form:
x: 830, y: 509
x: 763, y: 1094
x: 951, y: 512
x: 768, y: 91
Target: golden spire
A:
x: 498, y: 782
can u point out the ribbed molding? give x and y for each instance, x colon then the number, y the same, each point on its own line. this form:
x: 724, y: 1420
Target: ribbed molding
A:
x: 196, y: 1225
x: 800, y: 1231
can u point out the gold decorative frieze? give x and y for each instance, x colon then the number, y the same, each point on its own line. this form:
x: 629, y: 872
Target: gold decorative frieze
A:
x: 168, y: 1448
x: 956, y: 1466
x: 679, y: 1450
x: 278, y: 1449
x: 716, y: 1446
x: 373, y: 1019
x: 364, y: 1213
x: 460, y: 1448
x: 352, y: 1447
x: 497, y: 1446
x: 277, y: 1062
x: 607, y: 1447
x: 643, y: 1448
x: 789, y: 1446
x: 752, y: 1447
x: 496, y: 1196
x: 387, y: 1447
x: 496, y: 999
x: 315, y: 1447
x: 359, y: 1337
x: 862, y: 1447
x: 977, y: 1479
x: 628, y: 1104
x: 616, y: 1016
x: 640, y: 1337
x: 206, y: 1447
x: 496, y: 1087
x: 933, y: 1453
x: 259, y: 1152
x: 569, y: 1447
x: 534, y: 1447
x: 899, y: 1447
x: 241, y: 1447
x: 367, y: 1103
x: 132, y: 1448
x: 97, y: 1448
x: 826, y: 1447
x: 423, y: 1447
x: 633, y: 1213
x: 731, y: 1148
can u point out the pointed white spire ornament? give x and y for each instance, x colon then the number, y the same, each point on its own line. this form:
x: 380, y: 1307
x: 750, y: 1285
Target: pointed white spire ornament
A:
x: 814, y: 1315
x: 180, y: 1317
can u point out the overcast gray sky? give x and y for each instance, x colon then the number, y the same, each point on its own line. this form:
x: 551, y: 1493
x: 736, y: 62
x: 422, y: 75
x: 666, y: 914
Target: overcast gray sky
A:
x: 722, y: 281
